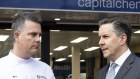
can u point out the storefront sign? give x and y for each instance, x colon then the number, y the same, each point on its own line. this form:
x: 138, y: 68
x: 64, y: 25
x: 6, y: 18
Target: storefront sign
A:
x: 74, y: 5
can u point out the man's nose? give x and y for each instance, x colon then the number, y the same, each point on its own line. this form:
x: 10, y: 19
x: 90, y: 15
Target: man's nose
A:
x: 100, y: 41
x: 38, y: 38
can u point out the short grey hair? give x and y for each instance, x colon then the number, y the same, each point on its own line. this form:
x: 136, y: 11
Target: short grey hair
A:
x: 19, y: 20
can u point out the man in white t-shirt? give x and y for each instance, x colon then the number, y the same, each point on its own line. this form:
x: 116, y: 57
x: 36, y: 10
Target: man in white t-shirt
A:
x: 19, y: 64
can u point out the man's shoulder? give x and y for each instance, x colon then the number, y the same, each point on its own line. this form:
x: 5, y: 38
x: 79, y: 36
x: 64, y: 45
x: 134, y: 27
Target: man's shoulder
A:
x: 134, y: 59
x: 40, y: 63
x: 3, y: 59
x: 137, y: 60
x: 4, y: 62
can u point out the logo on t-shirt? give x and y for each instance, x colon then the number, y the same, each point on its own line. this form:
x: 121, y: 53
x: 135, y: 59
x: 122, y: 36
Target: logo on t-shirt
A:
x: 41, y: 77
x: 14, y: 76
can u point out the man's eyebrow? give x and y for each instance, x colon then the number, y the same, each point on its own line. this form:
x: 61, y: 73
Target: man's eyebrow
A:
x: 35, y: 33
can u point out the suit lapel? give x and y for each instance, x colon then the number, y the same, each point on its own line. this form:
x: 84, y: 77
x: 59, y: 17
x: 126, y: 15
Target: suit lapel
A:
x: 105, y: 71
x: 125, y: 67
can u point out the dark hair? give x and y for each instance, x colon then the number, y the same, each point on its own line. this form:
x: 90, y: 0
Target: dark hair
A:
x: 19, y: 20
x: 120, y: 26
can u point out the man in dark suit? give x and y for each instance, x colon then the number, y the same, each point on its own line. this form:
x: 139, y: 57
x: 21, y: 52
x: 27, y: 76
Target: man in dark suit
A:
x: 115, y: 35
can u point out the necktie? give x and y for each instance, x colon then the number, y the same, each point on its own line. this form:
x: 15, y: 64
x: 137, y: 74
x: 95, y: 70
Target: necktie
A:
x: 111, y: 72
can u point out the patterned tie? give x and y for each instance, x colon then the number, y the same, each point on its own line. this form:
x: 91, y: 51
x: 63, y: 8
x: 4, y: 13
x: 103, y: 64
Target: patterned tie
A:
x: 111, y: 72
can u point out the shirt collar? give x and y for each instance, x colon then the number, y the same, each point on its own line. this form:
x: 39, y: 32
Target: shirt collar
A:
x: 122, y: 58
x: 16, y: 58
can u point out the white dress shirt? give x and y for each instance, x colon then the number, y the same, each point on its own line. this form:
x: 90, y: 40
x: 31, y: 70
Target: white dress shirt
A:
x: 120, y: 60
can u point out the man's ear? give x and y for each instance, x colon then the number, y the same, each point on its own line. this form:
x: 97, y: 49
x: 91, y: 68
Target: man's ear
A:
x: 123, y: 39
x: 16, y: 35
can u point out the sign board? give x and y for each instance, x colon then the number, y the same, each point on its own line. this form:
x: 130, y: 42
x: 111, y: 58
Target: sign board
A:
x: 65, y: 68
x: 74, y: 5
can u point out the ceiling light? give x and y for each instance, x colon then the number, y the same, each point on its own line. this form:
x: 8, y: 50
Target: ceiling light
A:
x: 8, y: 29
x: 3, y: 37
x: 14, y: 15
x: 137, y: 31
x: 95, y: 31
x: 51, y: 53
x: 57, y: 19
x: 82, y: 60
x: 37, y: 58
x: 91, y: 48
x: 71, y: 55
x: 60, y: 59
x: 55, y: 30
x: 60, y: 48
x: 80, y: 39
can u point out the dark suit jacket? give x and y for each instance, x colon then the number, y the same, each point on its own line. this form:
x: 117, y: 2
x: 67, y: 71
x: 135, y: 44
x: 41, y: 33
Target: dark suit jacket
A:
x: 130, y: 69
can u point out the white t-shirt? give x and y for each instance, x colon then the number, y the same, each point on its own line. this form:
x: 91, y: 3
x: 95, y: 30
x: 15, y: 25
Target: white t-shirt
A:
x: 13, y: 67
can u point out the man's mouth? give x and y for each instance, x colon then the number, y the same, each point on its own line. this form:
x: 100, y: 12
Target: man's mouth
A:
x: 104, y: 49
x: 36, y: 46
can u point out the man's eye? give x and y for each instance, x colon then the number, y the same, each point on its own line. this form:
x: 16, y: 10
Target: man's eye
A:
x: 105, y: 36
x: 33, y: 34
